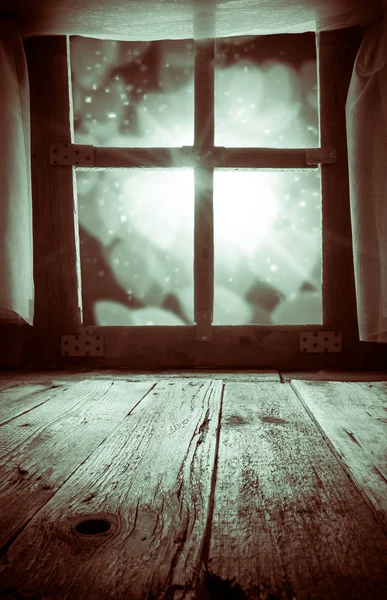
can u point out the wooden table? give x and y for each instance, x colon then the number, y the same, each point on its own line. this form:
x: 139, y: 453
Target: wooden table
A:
x: 208, y: 486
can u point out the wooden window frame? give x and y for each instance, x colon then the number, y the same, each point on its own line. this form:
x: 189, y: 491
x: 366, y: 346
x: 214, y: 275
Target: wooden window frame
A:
x: 55, y: 226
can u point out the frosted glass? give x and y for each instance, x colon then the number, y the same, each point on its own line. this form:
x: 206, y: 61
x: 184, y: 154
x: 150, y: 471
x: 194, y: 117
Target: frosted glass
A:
x: 141, y: 94
x: 266, y: 92
x: 136, y: 234
x: 268, y: 236
x: 133, y: 94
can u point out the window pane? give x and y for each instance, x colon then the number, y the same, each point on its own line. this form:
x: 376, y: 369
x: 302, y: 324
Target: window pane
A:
x: 136, y: 244
x: 267, y: 233
x: 266, y: 92
x: 132, y: 94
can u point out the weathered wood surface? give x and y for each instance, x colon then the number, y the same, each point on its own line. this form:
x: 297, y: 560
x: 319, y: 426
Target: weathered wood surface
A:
x: 227, y: 158
x: 353, y: 419
x: 55, y: 377
x: 41, y: 449
x: 336, y: 55
x: 287, y: 521
x: 233, y: 348
x: 17, y: 398
x: 56, y: 273
x: 151, y: 480
x: 287, y: 376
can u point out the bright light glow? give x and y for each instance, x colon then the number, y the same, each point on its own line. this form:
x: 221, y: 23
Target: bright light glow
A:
x: 245, y: 207
x: 159, y: 203
x: 138, y: 223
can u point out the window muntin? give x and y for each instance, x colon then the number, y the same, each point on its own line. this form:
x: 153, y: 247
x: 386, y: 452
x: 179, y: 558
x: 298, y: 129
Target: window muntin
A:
x: 133, y: 94
x: 131, y: 117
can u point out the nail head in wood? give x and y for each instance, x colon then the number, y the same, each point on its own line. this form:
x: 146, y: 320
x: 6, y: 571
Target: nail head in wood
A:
x: 68, y: 155
x: 320, y: 341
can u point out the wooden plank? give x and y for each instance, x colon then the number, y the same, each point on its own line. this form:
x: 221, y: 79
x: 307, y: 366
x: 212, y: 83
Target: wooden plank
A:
x: 204, y: 183
x: 49, y: 378
x: 41, y: 449
x: 204, y: 251
x: 288, y: 376
x: 123, y: 158
x: 231, y: 347
x: 353, y: 419
x: 54, y: 212
x: 204, y: 94
x: 231, y: 158
x: 18, y: 398
x: 336, y: 55
x: 151, y: 481
x: 265, y: 158
x: 287, y: 521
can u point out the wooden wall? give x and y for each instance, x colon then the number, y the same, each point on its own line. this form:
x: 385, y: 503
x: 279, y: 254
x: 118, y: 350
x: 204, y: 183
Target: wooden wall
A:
x: 56, y: 271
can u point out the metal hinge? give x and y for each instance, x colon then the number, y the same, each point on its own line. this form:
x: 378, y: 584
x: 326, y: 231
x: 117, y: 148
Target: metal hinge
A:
x: 71, y: 155
x: 204, y: 326
x: 82, y: 344
x: 320, y: 156
x: 320, y: 341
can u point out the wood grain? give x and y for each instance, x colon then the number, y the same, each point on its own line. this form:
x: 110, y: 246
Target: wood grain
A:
x: 334, y: 376
x: 54, y: 211
x: 336, y: 55
x: 42, y: 448
x: 18, y: 398
x: 231, y: 158
x: 56, y: 273
x: 204, y: 183
x: 204, y: 251
x: 231, y: 347
x: 287, y: 521
x: 204, y: 76
x: 353, y: 419
x: 151, y: 480
x: 48, y: 378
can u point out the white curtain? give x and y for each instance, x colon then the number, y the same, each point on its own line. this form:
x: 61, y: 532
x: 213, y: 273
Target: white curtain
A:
x: 144, y: 20
x: 366, y: 116
x: 16, y: 264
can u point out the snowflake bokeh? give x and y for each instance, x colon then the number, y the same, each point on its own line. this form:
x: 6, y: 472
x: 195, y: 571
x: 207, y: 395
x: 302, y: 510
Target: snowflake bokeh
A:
x: 136, y: 225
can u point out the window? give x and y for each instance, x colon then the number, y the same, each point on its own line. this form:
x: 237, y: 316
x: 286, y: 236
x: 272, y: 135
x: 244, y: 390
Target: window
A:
x: 153, y: 260
x: 137, y: 225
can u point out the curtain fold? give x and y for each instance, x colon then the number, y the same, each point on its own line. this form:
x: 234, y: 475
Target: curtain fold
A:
x: 366, y: 116
x: 16, y: 258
